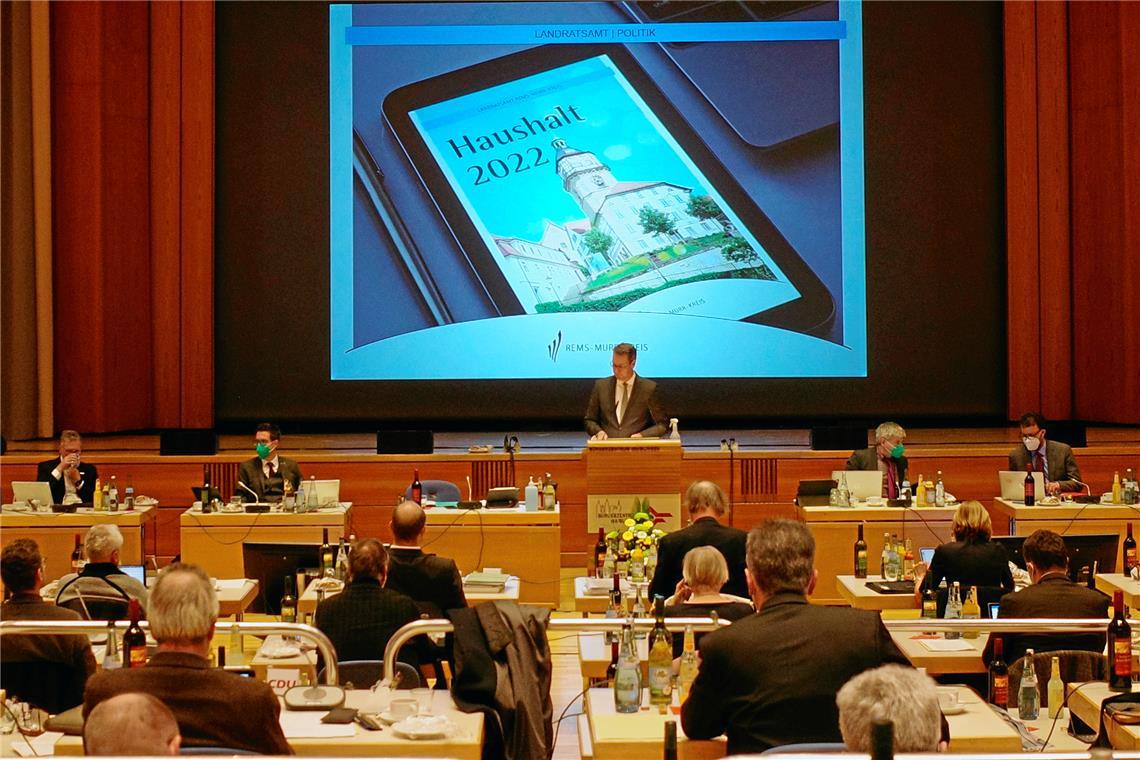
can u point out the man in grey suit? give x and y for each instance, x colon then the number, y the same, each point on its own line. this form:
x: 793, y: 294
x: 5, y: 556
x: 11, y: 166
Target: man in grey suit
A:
x: 268, y: 472
x: 1053, y: 459
x: 625, y: 405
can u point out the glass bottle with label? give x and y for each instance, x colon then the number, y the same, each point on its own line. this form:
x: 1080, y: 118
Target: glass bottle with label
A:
x: 971, y: 610
x: 1055, y: 690
x: 954, y: 608
x: 998, y: 677
x: 1119, y: 646
x: 627, y: 681
x: 660, y: 657
x: 1028, y: 700
x: 860, y: 554
x: 689, y: 664
x: 289, y: 600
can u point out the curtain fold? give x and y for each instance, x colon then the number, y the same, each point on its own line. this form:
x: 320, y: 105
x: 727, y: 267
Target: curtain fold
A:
x: 26, y: 374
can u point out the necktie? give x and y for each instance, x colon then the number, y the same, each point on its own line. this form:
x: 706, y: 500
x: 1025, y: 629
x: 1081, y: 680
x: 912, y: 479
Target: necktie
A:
x: 624, y: 401
x: 272, y: 472
x: 1038, y: 461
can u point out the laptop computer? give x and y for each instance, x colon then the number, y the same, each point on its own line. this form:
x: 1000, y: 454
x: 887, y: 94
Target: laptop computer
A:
x: 26, y: 490
x: 328, y: 492
x: 138, y: 572
x: 1013, y: 485
x: 862, y: 484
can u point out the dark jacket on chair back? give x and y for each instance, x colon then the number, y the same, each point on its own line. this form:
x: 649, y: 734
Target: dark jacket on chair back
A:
x: 431, y: 581
x: 503, y: 669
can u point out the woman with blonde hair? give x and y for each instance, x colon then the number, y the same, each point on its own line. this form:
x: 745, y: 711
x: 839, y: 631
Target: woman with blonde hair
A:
x: 971, y: 558
x: 704, y: 571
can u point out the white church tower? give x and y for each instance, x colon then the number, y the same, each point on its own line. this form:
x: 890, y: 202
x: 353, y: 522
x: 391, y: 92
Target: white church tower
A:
x: 586, y: 178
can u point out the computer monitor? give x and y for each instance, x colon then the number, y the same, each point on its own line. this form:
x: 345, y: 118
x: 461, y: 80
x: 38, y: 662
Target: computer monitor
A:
x: 1013, y: 485
x: 138, y: 572
x: 862, y: 484
x: 26, y: 490
x: 1084, y: 550
x: 927, y: 555
x: 270, y: 563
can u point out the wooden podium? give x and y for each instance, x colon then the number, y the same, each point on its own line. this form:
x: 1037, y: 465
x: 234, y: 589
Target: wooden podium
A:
x: 626, y: 472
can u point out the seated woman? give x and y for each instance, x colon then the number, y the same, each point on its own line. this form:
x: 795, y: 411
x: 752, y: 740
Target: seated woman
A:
x: 971, y: 559
x: 703, y: 573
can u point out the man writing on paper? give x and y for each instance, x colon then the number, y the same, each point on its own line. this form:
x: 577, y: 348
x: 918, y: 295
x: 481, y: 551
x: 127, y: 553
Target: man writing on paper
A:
x: 625, y: 405
x: 267, y: 473
x: 1053, y: 459
x: 67, y: 474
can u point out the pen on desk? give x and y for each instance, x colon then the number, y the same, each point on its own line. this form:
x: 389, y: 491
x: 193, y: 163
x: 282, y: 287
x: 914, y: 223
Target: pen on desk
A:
x: 372, y: 178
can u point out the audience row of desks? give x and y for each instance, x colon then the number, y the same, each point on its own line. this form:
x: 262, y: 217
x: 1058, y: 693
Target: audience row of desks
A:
x: 522, y: 544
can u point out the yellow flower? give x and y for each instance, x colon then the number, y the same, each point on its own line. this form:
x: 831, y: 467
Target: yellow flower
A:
x: 627, y: 536
x: 647, y: 525
x: 629, y: 522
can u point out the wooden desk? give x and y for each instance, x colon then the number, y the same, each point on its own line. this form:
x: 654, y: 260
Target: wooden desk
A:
x: 979, y: 729
x: 836, y: 528
x: 305, y: 662
x: 641, y: 734
x: 1085, y: 704
x: 523, y: 544
x: 466, y: 742
x: 214, y: 541
x: 307, y: 604
x: 938, y: 663
x: 1111, y: 582
x: 855, y: 592
x: 1069, y: 518
x: 594, y: 655
x: 55, y: 534
x: 235, y: 601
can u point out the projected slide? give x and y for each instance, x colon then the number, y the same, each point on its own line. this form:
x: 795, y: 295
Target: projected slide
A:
x: 510, y: 201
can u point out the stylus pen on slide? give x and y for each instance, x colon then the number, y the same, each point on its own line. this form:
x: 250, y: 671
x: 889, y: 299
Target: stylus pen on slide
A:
x: 373, y: 179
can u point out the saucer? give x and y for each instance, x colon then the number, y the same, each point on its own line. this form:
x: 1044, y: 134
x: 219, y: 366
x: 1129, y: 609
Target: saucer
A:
x: 957, y: 709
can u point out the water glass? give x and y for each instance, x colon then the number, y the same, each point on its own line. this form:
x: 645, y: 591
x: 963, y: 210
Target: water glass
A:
x: 422, y: 695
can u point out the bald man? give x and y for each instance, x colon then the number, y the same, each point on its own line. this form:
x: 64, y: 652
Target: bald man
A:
x: 433, y: 582
x: 131, y: 724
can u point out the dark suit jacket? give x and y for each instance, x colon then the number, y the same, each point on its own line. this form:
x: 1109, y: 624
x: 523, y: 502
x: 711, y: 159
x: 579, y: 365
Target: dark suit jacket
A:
x: 868, y: 459
x: 86, y: 490
x: 360, y: 620
x: 1059, y: 457
x: 645, y: 414
x: 251, y: 474
x: 213, y: 708
x: 431, y: 581
x: 771, y: 678
x: 1054, y: 596
x: 71, y: 652
x: 706, y: 531
x: 971, y: 563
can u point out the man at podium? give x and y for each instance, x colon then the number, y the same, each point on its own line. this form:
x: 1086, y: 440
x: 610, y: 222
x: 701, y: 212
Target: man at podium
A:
x: 625, y: 405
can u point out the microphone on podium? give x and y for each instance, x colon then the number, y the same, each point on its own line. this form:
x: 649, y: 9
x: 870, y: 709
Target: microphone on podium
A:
x: 250, y: 490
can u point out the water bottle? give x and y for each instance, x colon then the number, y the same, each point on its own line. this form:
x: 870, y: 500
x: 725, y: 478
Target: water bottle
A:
x: 627, y: 680
x: 531, y: 493
x: 1028, y: 701
x: 954, y: 609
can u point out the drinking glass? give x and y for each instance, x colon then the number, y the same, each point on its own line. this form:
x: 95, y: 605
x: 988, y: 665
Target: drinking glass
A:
x: 422, y: 695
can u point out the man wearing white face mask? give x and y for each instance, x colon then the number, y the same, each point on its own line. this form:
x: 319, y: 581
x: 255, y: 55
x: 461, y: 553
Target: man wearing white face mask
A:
x: 267, y: 473
x: 1055, y: 460
x: 886, y: 456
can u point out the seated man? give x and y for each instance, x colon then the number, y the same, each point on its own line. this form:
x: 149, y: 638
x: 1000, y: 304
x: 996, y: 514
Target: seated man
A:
x: 708, y: 511
x: 25, y: 660
x: 360, y: 620
x: 68, y: 474
x: 213, y: 708
x: 771, y: 678
x: 267, y: 473
x: 101, y: 577
x: 432, y: 582
x: 1051, y: 595
x: 886, y: 456
x: 131, y: 724
x: 625, y: 405
x: 1055, y: 460
x: 902, y: 695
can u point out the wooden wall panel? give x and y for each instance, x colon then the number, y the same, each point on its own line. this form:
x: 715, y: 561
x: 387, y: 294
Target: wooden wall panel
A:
x: 1105, y: 57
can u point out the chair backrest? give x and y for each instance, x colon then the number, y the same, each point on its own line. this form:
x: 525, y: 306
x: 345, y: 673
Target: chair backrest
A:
x: 98, y: 607
x: 444, y: 490
x: 52, y: 686
x: 1076, y: 666
x: 363, y: 674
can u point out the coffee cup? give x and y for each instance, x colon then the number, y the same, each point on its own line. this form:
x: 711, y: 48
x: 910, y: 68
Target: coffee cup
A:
x: 402, y: 708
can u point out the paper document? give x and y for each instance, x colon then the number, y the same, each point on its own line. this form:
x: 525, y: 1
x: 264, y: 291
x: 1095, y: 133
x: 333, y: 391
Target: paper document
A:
x: 306, y: 724
x: 947, y: 645
x: 230, y: 583
x: 44, y: 744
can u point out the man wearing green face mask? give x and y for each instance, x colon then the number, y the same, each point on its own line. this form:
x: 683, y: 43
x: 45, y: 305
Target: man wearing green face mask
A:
x: 268, y: 472
x: 886, y: 456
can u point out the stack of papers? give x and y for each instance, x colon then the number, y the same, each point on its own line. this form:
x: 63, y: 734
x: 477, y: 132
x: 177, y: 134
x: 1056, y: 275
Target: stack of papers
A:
x: 486, y: 581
